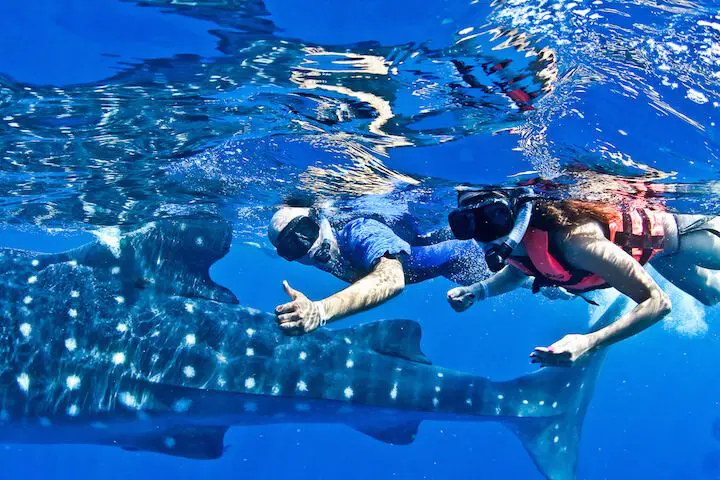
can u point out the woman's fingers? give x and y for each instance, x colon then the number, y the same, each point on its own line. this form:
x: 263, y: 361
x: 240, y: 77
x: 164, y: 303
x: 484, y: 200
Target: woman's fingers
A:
x: 547, y: 357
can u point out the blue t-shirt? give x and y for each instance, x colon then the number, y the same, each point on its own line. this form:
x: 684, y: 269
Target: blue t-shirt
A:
x: 363, y: 242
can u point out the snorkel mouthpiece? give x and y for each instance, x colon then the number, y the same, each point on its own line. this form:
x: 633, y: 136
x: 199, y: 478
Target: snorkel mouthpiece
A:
x: 322, y: 255
x: 497, y: 254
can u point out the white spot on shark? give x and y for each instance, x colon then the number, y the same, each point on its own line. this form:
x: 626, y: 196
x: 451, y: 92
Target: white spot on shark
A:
x: 115, y: 270
x: 221, y: 358
x: 72, y: 382
x: 250, y: 332
x: 249, y: 352
x: 556, y: 439
x: 501, y: 397
x: 348, y: 393
x: 72, y: 313
x: 302, y: 386
x: 122, y: 327
x: 249, y: 383
x: 120, y: 299
x: 437, y: 389
x: 169, y: 442
x: 74, y: 294
x: 189, y: 371
x: 27, y: 300
x: 23, y: 381
x: 525, y: 402
x: 541, y: 402
x: 436, y: 402
x: 73, y: 410
x: 182, y: 405
x: 25, y: 329
x: 35, y: 262
x: 468, y: 401
x: 118, y: 358
x: 302, y: 356
x: 32, y: 279
x: 199, y: 241
x: 348, y: 341
x: 555, y: 404
x: 349, y: 363
x: 189, y: 307
x: 394, y: 392
x: 221, y: 382
x: 70, y: 344
x: 440, y: 375
x: 275, y: 390
x: 190, y: 339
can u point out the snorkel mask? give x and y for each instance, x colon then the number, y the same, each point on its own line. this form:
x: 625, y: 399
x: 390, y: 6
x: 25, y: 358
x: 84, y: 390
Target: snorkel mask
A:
x: 488, y: 216
x: 302, y: 236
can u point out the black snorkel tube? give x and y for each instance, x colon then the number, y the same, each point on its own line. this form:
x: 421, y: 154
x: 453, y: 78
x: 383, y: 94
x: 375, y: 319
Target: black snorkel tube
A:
x: 496, y: 254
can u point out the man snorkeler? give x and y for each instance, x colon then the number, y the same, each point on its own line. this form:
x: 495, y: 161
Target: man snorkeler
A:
x: 365, y: 253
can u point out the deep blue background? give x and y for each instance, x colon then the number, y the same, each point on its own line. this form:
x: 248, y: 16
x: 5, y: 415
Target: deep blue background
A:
x: 658, y: 393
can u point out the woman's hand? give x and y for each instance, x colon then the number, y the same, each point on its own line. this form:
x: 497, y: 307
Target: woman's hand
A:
x: 563, y: 353
x: 300, y: 316
x: 461, y: 298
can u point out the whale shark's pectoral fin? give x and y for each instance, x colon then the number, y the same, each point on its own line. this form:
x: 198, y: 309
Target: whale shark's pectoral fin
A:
x: 200, y: 443
x: 396, y: 338
x: 171, y: 256
x: 395, y: 434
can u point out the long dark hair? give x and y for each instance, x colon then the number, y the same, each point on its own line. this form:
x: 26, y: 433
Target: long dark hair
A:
x: 553, y: 214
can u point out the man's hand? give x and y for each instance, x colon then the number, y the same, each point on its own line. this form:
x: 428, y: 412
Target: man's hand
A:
x: 299, y: 316
x: 563, y: 353
x: 461, y: 298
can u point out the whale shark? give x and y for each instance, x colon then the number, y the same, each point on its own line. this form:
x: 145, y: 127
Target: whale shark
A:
x: 128, y: 342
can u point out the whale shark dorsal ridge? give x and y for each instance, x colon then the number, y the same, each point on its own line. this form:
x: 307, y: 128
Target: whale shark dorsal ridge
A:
x: 170, y: 256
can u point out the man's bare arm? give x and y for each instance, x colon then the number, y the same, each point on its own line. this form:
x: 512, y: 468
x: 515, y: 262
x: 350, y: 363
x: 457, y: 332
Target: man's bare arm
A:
x: 302, y: 315
x: 385, y: 281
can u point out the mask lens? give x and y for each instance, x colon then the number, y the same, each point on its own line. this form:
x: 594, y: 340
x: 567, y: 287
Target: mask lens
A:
x: 462, y: 224
x: 493, y: 221
x: 297, y: 238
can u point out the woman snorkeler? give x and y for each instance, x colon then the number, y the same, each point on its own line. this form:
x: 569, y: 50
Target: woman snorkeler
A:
x: 583, y: 246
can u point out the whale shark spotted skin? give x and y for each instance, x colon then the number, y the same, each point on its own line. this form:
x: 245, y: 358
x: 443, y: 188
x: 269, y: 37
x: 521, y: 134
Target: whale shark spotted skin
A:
x: 128, y: 342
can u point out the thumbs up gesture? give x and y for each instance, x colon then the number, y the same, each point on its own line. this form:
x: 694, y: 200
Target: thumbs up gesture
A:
x: 300, y: 315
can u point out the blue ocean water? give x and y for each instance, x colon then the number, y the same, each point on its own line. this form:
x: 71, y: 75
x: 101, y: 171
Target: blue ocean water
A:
x: 115, y: 113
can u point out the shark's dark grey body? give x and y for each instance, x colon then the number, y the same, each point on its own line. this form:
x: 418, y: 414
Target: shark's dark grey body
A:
x: 129, y: 342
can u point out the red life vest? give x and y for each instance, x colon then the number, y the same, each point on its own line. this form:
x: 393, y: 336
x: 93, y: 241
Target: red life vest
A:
x: 640, y: 232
